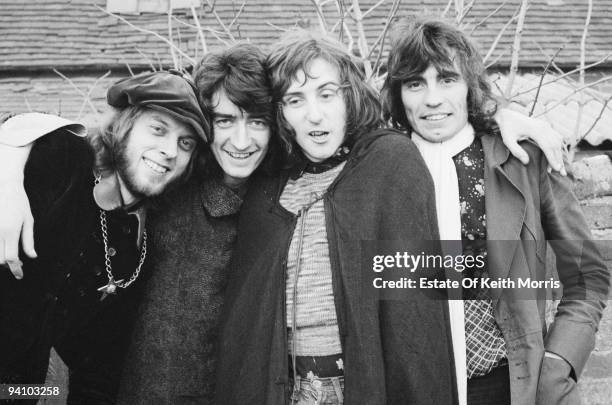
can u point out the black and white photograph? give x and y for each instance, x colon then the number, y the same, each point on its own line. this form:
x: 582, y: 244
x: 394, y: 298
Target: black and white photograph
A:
x: 316, y: 202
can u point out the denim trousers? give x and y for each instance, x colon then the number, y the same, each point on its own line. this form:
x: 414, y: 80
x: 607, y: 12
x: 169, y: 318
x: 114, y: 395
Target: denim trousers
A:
x: 318, y: 391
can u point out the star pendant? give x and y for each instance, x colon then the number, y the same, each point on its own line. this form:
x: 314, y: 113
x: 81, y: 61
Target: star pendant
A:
x: 110, y: 288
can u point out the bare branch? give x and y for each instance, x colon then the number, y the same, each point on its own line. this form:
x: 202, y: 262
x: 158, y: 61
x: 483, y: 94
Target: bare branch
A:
x: 362, y: 42
x: 498, y: 37
x: 196, y: 19
x: 550, y: 61
x: 93, y: 86
x: 374, y: 7
x: 240, y: 10
x: 25, y: 99
x: 601, y: 112
x: 383, y: 35
x: 582, y: 63
x: 466, y: 11
x: 172, y: 53
x: 484, y: 20
x: 494, y: 61
x: 320, y: 16
x: 516, y: 47
x: 276, y: 27
x: 146, y: 58
x: 447, y: 8
x: 129, y: 68
x: 566, y: 74
x: 155, y: 34
x: 579, y: 89
x: 219, y: 21
x: 74, y: 86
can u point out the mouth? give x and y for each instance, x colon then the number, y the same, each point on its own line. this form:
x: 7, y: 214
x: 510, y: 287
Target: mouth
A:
x: 435, y: 117
x: 318, y: 134
x: 240, y: 155
x: 155, y: 166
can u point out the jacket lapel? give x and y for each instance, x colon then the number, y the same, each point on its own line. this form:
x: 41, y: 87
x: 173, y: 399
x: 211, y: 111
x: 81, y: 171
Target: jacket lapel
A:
x: 504, y: 207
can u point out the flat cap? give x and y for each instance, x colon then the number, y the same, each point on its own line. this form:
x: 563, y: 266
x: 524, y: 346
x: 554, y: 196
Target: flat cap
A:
x: 168, y: 92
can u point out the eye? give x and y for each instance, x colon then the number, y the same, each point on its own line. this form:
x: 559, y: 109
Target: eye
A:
x: 187, y: 144
x: 328, y: 94
x: 449, y: 80
x: 413, y: 85
x: 157, y: 129
x: 223, y: 122
x: 258, y: 124
x: 293, y: 101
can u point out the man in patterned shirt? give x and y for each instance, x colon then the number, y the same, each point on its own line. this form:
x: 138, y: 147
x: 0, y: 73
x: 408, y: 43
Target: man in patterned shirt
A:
x: 437, y: 90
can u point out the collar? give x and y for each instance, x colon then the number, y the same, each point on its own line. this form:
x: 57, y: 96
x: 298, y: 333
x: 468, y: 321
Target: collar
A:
x: 218, y: 199
x: 307, y: 166
x: 107, y: 192
x: 449, y: 147
x: 107, y: 195
x: 493, y: 146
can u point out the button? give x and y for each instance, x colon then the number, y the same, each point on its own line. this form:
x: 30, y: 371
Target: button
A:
x: 98, y: 270
x: 111, y: 251
x: 68, y: 275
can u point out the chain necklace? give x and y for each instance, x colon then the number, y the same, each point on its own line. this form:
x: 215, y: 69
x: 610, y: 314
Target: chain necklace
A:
x: 111, y: 286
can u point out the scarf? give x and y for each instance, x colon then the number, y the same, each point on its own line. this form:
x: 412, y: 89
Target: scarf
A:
x: 439, y: 160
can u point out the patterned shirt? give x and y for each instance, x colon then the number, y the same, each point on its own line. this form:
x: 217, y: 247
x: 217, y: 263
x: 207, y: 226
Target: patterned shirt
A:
x: 485, y: 345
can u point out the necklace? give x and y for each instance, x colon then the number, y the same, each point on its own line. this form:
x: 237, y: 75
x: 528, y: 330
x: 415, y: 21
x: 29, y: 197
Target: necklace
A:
x: 111, y: 286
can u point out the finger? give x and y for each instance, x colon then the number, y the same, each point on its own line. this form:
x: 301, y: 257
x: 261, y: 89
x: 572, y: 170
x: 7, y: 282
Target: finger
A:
x: 27, y: 237
x: 11, y: 255
x: 518, y: 152
x: 15, y: 266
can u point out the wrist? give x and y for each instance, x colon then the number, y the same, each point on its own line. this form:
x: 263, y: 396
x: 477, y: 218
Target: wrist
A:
x: 13, y: 162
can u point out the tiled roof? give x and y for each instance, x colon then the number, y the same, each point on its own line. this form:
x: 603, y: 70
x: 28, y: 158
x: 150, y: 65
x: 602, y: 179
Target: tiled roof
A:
x: 75, y: 34
x: 558, y: 103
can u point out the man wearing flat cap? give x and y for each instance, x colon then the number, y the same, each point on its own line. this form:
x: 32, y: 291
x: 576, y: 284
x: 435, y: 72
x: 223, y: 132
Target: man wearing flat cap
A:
x: 88, y: 197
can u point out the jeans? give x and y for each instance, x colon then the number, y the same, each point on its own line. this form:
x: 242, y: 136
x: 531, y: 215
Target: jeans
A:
x: 319, y: 391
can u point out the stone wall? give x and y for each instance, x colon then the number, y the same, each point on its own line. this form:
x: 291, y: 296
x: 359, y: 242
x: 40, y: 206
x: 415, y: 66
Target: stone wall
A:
x: 594, y: 188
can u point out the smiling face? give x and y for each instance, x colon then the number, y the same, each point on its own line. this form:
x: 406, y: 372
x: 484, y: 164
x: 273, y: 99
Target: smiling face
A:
x: 156, y: 153
x: 240, y: 139
x: 436, y: 103
x: 315, y: 108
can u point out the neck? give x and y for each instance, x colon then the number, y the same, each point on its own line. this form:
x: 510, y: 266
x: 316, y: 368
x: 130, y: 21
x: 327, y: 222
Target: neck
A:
x: 234, y: 183
x: 127, y: 196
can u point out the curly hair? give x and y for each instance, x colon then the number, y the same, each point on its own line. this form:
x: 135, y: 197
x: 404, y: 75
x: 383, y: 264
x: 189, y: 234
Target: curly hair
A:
x: 419, y: 42
x: 294, y: 54
x: 240, y: 72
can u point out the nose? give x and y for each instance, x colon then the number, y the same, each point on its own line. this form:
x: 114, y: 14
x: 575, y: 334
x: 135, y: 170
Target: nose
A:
x: 240, y: 139
x: 169, y: 146
x: 314, y: 113
x: 433, y: 96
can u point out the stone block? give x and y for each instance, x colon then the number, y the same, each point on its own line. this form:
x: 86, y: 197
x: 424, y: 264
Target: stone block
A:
x: 593, y: 176
x: 598, y: 212
x: 595, y: 391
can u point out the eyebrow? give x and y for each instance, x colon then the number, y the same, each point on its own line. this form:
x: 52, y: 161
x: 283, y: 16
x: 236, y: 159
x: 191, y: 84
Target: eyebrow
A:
x: 331, y: 82
x: 449, y: 73
x: 223, y: 115
x: 159, y: 119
